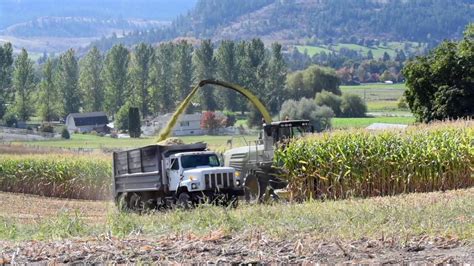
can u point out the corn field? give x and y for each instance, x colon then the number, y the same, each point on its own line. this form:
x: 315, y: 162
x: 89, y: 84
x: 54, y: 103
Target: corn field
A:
x: 359, y: 163
x: 57, y: 175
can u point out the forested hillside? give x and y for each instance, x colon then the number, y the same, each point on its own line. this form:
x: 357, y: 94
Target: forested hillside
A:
x: 311, y: 21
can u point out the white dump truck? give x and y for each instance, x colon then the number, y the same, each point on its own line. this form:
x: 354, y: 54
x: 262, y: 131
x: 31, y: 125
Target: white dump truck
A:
x: 162, y: 175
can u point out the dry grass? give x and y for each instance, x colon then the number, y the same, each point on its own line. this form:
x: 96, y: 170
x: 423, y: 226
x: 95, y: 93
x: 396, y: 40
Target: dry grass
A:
x: 438, y: 214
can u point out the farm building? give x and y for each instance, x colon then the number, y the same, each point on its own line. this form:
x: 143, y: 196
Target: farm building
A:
x: 87, y: 122
x: 188, y: 124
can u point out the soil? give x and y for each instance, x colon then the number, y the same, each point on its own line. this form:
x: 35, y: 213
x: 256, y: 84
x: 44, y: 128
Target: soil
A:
x: 217, y: 247
x: 225, y: 249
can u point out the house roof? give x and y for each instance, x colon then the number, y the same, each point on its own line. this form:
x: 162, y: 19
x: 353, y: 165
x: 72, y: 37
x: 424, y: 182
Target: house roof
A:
x: 385, y: 126
x: 89, y: 119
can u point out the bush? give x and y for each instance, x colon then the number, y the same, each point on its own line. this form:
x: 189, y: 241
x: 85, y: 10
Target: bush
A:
x: 353, y: 106
x: 11, y: 119
x: 46, y: 128
x: 331, y: 100
x: 65, y: 133
x: 121, y: 118
x: 319, y: 116
x: 402, y: 103
x: 211, y: 122
x: 230, y: 119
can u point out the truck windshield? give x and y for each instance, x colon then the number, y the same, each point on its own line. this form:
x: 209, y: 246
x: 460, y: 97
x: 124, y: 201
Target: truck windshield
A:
x: 191, y: 161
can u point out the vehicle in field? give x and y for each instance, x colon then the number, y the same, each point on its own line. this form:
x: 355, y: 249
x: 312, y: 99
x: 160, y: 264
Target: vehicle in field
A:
x: 254, y: 163
x: 162, y: 175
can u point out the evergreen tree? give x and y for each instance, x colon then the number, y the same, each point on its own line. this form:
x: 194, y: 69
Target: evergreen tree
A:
x: 6, y: 68
x: 134, y: 129
x: 204, y: 68
x: 23, y: 84
x: 48, y: 104
x: 275, y: 84
x: 161, y: 79
x: 183, y: 71
x: 142, y: 59
x: 91, y: 82
x: 370, y: 55
x: 386, y: 57
x: 226, y: 70
x: 68, y: 79
x: 115, y: 77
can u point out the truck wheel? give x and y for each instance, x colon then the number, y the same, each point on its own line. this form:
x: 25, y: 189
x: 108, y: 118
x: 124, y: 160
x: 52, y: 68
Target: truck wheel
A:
x: 252, y: 191
x: 184, y: 201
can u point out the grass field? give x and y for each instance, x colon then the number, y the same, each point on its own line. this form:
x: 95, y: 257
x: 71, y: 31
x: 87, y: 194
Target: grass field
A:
x: 343, y: 123
x: 377, y: 52
x: 86, y: 141
x: 379, y: 97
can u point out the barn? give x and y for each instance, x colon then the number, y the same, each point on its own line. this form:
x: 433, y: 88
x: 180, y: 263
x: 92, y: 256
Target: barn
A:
x: 87, y: 122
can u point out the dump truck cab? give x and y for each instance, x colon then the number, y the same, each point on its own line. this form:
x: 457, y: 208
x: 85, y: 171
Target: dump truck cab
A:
x: 199, y: 171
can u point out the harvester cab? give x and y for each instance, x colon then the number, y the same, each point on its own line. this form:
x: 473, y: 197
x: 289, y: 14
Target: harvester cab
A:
x: 281, y: 132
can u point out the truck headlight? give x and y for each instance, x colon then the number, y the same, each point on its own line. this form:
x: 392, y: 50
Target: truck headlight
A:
x: 237, y: 173
x: 194, y: 186
x: 237, y: 182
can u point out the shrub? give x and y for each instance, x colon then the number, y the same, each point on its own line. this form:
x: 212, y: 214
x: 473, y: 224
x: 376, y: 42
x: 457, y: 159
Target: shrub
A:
x: 121, y: 118
x: 230, y: 119
x: 211, y: 122
x: 319, y: 116
x: 10, y: 118
x: 353, y: 106
x: 361, y: 164
x: 331, y: 100
x: 47, y: 128
x: 402, y: 103
x: 65, y: 133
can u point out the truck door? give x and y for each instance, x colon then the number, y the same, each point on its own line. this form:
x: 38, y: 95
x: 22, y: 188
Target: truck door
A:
x: 174, y: 174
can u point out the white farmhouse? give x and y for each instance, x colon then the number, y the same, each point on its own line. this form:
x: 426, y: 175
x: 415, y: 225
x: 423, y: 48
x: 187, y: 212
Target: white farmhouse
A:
x: 187, y: 125
x: 87, y: 122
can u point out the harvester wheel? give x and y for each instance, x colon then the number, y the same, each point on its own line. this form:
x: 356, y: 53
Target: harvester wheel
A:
x: 252, y: 189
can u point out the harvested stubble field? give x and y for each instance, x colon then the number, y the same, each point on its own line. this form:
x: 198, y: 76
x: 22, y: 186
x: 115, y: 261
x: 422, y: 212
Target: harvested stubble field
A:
x: 417, y: 227
x: 430, y: 227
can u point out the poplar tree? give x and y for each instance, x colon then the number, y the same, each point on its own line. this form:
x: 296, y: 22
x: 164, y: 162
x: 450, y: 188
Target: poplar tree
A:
x: 226, y: 70
x: 6, y: 68
x: 68, y: 82
x: 91, y: 82
x: 183, y: 70
x: 23, y: 84
x: 204, y: 68
x: 275, y: 85
x: 115, y: 77
x: 161, y: 79
x: 48, y: 100
x: 142, y: 59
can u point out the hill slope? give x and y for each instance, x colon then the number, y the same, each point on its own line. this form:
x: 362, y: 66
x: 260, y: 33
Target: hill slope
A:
x: 328, y: 21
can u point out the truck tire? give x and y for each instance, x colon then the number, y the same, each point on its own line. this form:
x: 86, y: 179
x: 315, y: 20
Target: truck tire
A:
x: 184, y: 201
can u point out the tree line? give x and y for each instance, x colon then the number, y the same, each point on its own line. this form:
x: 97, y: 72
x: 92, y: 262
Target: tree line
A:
x: 154, y: 79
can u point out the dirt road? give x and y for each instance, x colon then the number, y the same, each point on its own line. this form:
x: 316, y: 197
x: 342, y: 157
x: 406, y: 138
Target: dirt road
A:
x: 248, y: 247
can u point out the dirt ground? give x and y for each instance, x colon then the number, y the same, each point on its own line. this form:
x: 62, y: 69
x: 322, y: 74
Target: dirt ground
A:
x: 250, y: 247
